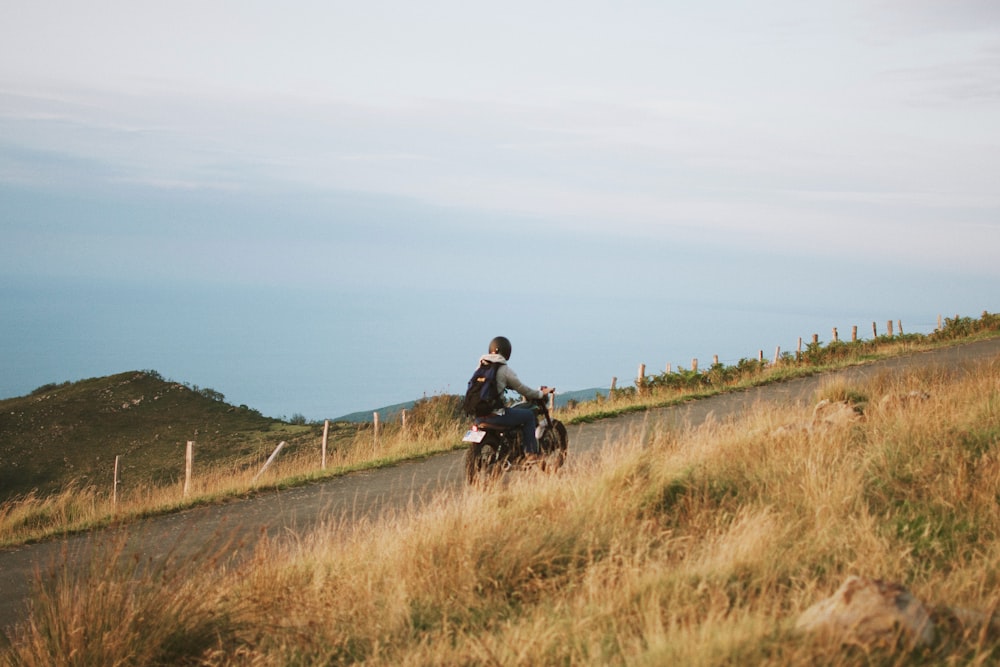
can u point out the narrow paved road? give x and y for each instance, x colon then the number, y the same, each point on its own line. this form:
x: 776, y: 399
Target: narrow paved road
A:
x: 368, y: 495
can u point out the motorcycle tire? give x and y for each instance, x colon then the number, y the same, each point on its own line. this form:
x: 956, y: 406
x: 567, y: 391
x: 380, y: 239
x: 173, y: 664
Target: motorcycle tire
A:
x: 482, y: 461
x: 554, y: 445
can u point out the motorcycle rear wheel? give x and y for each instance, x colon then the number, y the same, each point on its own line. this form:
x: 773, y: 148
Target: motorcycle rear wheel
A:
x: 482, y: 462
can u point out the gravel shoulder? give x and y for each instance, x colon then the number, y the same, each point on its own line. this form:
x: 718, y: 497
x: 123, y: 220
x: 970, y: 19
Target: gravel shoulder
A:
x: 339, y: 503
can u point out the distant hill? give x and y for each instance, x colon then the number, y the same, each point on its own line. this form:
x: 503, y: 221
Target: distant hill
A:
x: 75, y: 430
x: 580, y: 396
x: 388, y: 412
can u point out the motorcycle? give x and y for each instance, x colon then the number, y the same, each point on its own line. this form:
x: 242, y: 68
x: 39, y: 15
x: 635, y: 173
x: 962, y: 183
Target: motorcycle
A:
x: 493, y: 450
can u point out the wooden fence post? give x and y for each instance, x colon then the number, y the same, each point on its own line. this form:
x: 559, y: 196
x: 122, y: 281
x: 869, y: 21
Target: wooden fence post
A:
x: 939, y: 323
x: 375, y: 429
x: 854, y: 333
x: 760, y: 356
x: 874, y: 331
x: 899, y: 327
x: 836, y: 338
x: 777, y: 354
x: 269, y: 461
x: 888, y: 328
x: 188, y: 465
x: 640, y: 380
x: 694, y: 365
x: 798, y: 352
x: 715, y: 360
x: 326, y: 432
x: 114, y: 490
x: 402, y: 419
x: 815, y: 339
x: 668, y: 370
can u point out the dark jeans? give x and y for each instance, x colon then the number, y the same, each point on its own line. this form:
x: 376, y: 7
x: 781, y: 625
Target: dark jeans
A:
x: 523, y: 417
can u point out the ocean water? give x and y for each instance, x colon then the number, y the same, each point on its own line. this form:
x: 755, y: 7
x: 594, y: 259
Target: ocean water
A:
x: 323, y: 354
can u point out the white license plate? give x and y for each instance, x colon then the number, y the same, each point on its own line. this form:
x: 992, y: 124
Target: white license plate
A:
x: 474, y: 436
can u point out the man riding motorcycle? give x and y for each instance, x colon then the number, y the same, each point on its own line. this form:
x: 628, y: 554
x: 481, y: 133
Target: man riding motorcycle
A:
x: 524, y: 418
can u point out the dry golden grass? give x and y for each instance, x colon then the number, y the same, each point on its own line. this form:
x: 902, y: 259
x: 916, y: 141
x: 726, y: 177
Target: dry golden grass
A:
x: 694, y: 547
x: 78, y: 508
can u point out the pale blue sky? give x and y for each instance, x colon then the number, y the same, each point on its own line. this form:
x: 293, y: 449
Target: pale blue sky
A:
x: 282, y: 201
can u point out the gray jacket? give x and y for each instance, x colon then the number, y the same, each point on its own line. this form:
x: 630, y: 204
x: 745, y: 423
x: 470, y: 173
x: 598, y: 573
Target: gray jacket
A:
x: 507, y: 378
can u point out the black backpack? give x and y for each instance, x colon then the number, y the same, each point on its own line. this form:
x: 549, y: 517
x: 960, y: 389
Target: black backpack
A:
x: 482, y: 397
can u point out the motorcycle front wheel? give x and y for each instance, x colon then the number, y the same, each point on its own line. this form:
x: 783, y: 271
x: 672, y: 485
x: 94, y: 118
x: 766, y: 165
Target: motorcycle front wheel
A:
x: 554, y: 444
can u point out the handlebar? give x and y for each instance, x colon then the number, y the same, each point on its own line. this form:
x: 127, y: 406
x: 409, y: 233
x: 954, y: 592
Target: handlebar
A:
x: 542, y: 403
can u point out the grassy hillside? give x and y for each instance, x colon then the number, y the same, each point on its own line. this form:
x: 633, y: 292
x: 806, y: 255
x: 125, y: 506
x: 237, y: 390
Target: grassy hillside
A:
x: 73, y: 431
x: 678, y: 547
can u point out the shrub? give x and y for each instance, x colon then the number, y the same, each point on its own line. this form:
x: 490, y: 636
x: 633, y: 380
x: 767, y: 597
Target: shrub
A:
x: 212, y: 394
x: 46, y: 388
x: 961, y: 327
x: 435, y: 410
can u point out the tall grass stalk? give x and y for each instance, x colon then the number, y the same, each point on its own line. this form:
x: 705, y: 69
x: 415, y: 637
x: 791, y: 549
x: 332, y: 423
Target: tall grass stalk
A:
x: 691, y: 546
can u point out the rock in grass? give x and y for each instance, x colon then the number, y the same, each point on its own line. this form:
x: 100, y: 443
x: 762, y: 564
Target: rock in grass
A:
x: 870, y: 612
x: 834, y: 413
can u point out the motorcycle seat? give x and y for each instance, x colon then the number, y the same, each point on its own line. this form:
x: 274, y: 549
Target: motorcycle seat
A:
x: 483, y: 426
